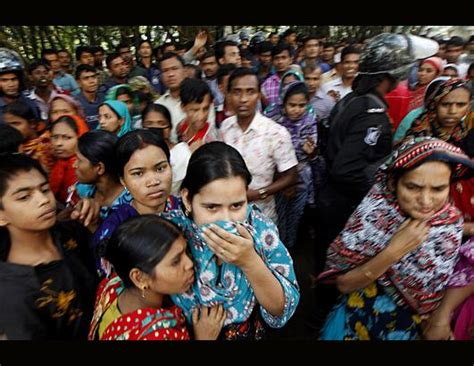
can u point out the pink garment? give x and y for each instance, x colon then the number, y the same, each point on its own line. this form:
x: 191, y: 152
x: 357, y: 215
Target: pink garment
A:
x: 397, y: 101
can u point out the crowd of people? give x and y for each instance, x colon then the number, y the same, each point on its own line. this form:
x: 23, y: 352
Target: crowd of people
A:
x: 157, y: 193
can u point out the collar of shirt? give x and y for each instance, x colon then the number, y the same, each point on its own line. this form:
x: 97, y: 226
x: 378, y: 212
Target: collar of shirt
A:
x: 255, y: 125
x: 35, y: 96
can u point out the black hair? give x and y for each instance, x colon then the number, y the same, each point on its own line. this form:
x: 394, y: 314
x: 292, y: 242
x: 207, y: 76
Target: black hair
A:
x: 240, y: 72
x: 121, y: 45
x: 455, y: 41
x: 84, y: 68
x: 299, y: 88
x: 20, y: 109
x: 123, y: 90
x: 11, y: 165
x: 193, y: 90
x: 265, y: 46
x: 224, y: 70
x: 288, y: 32
x: 310, y: 68
x: 196, y: 69
x: 68, y: 120
x: 166, y: 44
x: 246, y: 54
x: 10, y: 139
x: 310, y: 38
x: 470, y: 68
x: 329, y: 44
x: 64, y: 50
x: 112, y: 57
x: 95, y: 49
x: 133, y: 141
x: 83, y: 49
x: 48, y: 51
x: 349, y: 50
x: 145, y: 41
x: 280, y: 48
x: 220, y: 48
x: 208, y: 54
x: 37, y: 63
x: 169, y: 55
x: 159, y: 108
x: 140, y: 242
x: 212, y: 161
x: 180, y: 46
x: 98, y: 146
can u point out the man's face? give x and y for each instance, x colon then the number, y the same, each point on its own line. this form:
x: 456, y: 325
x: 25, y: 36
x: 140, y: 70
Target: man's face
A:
x: 64, y: 59
x: 442, y: 51
x: 99, y: 58
x: 313, y: 80
x: 88, y: 81
x: 265, y: 58
x: 53, y: 60
x: 231, y: 56
x: 282, y: 61
x: 172, y: 73
x: 274, y: 39
x: 126, y: 54
x: 169, y: 48
x: 350, y: 65
x: 118, y: 68
x: 209, y: 66
x: 86, y: 59
x: 40, y: 77
x: 10, y: 84
x: 453, y: 53
x: 328, y: 54
x: 311, y: 49
x: 145, y: 50
x: 244, y: 95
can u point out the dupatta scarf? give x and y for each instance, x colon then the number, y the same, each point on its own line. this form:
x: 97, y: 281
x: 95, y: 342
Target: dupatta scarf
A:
x: 226, y: 283
x: 420, y: 277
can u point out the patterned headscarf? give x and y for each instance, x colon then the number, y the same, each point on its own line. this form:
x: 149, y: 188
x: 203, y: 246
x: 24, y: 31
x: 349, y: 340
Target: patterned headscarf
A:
x: 427, y: 123
x: 121, y: 109
x: 420, y: 277
x: 70, y: 100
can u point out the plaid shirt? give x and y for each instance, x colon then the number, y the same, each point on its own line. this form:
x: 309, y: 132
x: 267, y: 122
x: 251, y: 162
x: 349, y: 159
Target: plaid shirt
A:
x: 271, y: 88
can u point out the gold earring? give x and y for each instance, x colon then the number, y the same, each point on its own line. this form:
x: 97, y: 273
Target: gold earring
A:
x: 143, y: 291
x: 186, y: 211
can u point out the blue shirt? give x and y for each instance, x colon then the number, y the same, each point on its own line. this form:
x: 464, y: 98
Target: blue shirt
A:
x: 91, y: 109
x: 67, y: 82
x: 153, y: 74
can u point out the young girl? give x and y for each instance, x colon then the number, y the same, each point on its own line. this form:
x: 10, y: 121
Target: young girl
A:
x: 239, y: 258
x: 65, y: 132
x: 142, y: 163
x: 48, y: 275
x: 149, y: 256
x: 428, y: 70
x: 36, y: 144
x: 95, y: 170
x: 125, y: 94
x: 114, y: 117
x: 157, y: 116
x: 301, y: 123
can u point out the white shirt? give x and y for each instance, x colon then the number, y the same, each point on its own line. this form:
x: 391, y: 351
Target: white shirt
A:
x: 337, y: 85
x: 179, y: 160
x: 266, y: 148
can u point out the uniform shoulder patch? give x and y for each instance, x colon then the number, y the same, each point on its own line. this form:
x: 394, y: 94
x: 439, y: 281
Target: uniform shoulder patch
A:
x: 372, y: 136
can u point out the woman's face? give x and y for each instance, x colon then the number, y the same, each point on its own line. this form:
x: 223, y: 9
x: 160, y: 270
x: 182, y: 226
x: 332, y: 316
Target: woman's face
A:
x: 108, y: 120
x: 453, y: 107
x: 175, y: 272
x: 21, y: 124
x: 128, y: 101
x: 295, y: 106
x: 147, y: 176
x: 64, y: 140
x: 60, y: 107
x: 154, y: 119
x: 222, y: 199
x: 85, y: 171
x: 423, y: 191
x: 426, y: 73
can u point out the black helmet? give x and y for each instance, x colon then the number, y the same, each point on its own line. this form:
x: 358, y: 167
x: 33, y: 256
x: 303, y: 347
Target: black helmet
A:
x: 10, y: 61
x: 395, y: 54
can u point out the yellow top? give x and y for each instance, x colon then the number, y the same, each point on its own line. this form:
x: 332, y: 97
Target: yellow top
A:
x: 109, y: 316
